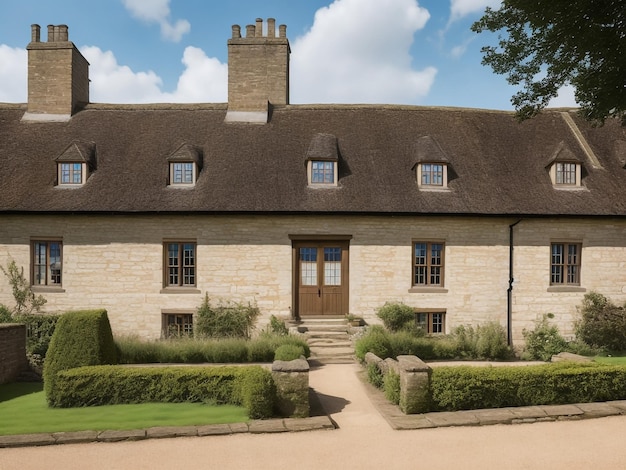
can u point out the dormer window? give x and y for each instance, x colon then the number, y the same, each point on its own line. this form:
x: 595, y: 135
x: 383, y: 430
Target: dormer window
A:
x: 431, y: 164
x: 565, y: 168
x: 71, y: 173
x: 323, y: 172
x: 322, y: 162
x: 184, y: 165
x: 75, y: 164
x: 183, y: 173
x: 567, y: 173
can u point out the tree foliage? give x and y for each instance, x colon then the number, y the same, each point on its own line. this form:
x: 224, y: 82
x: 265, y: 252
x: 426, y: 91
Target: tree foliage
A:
x: 545, y: 44
x: 26, y: 302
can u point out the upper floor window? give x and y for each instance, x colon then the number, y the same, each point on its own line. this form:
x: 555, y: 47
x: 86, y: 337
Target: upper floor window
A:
x: 567, y: 173
x: 180, y: 264
x: 565, y: 264
x: 46, y: 263
x: 71, y: 173
x: 323, y: 172
x: 432, y: 175
x: 428, y: 264
x: 182, y: 173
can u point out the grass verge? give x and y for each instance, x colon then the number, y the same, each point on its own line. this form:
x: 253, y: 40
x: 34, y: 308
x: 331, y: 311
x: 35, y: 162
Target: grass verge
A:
x: 24, y: 410
x: 611, y: 360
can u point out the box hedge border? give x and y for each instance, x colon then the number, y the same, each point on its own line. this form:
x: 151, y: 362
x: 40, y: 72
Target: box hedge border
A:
x: 467, y: 388
x: 249, y: 386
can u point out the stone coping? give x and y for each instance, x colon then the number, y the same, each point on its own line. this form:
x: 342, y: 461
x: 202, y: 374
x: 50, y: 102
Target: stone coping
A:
x: 253, y: 427
x: 512, y: 415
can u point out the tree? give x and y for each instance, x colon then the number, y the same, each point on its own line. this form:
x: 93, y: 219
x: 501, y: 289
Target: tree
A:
x: 26, y: 302
x: 550, y: 43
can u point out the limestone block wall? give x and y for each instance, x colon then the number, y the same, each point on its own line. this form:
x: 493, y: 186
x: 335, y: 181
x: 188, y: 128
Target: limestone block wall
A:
x: 12, y: 351
x: 116, y: 262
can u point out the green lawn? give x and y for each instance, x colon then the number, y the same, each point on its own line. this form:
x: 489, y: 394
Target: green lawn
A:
x: 23, y: 410
x: 612, y: 360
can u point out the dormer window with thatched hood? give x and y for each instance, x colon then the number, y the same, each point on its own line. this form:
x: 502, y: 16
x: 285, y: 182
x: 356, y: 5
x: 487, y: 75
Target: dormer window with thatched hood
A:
x: 184, y: 166
x: 565, y: 168
x: 431, y: 167
x: 322, y: 158
x: 75, y: 164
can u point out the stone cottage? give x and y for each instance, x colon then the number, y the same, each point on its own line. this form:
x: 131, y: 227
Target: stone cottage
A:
x: 308, y: 210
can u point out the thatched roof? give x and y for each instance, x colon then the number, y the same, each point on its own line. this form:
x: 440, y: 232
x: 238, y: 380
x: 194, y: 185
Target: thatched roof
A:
x: 497, y: 165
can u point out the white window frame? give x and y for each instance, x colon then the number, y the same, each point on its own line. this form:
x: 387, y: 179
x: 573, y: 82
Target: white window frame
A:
x: 431, y: 186
x: 560, y: 185
x: 71, y: 183
x: 194, y: 170
x: 309, y: 170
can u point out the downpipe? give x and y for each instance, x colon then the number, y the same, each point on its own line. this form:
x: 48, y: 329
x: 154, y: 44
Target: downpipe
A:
x: 509, y: 291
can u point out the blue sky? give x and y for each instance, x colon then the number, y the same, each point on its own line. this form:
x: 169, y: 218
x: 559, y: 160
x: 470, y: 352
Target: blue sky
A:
x: 416, y: 52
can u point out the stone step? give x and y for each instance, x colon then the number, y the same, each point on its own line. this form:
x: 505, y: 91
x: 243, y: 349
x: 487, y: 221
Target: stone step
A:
x: 334, y: 351
x: 315, y: 328
x: 334, y: 345
x: 331, y: 335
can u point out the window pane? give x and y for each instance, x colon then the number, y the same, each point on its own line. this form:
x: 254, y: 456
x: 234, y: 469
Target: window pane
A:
x: 182, y: 173
x: 40, y: 263
x: 77, y: 177
x: 55, y: 263
x: 65, y: 173
x: 308, y: 266
x: 432, y: 174
x: 566, y: 173
x: 332, y: 266
x: 437, y: 323
x: 323, y: 172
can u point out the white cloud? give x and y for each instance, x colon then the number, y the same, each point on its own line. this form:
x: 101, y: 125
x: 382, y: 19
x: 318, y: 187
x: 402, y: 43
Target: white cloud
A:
x: 13, y: 74
x: 358, y: 52
x: 462, y: 8
x: 564, y: 99
x: 203, y: 80
x: 158, y: 11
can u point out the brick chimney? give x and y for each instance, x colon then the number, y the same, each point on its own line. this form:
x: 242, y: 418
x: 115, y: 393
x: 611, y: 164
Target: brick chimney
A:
x: 258, y: 72
x: 58, y: 76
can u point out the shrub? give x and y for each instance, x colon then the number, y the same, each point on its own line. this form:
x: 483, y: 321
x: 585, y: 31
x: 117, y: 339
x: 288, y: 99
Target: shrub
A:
x: 464, y: 387
x: 602, y: 324
x: 225, y: 320
x: 396, y: 316
x: 80, y: 338
x: 5, y: 314
x: 250, y: 386
x: 132, y: 350
x: 288, y: 352
x: 543, y: 341
x: 374, y: 375
x: 391, y: 386
x: 376, y: 341
x: 277, y: 326
x: 486, y: 341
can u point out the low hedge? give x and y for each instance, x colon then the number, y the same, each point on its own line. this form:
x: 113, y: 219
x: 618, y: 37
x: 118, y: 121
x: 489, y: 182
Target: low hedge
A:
x: 194, y: 351
x: 466, y: 388
x: 249, y: 386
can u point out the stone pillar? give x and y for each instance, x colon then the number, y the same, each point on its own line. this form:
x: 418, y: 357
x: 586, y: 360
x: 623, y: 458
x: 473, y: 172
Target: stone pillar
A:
x: 414, y: 385
x: 292, y: 387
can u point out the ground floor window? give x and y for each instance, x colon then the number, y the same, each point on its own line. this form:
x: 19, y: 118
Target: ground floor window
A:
x: 432, y: 322
x: 46, y: 262
x: 177, y: 325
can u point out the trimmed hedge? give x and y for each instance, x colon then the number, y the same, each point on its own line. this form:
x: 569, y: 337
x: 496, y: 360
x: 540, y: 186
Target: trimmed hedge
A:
x: 81, y: 338
x: 467, y: 388
x: 248, y: 386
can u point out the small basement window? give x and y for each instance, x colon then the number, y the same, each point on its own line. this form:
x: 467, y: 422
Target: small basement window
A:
x: 177, y: 325
x: 431, y: 322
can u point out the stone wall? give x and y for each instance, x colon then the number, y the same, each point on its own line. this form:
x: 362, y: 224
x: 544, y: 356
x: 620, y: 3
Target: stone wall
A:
x: 116, y: 263
x: 12, y: 351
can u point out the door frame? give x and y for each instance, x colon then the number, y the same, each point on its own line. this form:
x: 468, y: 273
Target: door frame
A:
x: 342, y: 241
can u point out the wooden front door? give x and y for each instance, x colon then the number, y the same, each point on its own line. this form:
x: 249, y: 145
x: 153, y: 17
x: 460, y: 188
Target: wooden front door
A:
x: 321, y: 278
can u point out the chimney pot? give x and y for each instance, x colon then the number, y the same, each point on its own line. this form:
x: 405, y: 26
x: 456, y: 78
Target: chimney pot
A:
x: 259, y: 28
x: 50, y: 33
x: 63, y: 35
x: 236, y: 31
x: 282, y: 31
x: 35, y: 33
x: 271, y: 27
x: 250, y: 31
